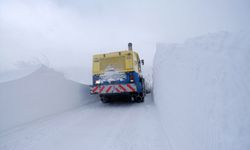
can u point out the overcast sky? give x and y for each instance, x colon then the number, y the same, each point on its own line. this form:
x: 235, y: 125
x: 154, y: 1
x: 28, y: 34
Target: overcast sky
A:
x: 69, y: 32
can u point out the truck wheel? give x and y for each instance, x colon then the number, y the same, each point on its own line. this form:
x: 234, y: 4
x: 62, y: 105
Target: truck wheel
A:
x: 104, y: 99
x: 142, y: 99
x: 139, y: 99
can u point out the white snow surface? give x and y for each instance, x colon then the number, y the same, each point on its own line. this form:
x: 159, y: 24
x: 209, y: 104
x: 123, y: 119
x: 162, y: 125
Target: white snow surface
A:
x: 202, y: 91
x: 116, y: 126
x: 111, y: 74
x: 41, y: 93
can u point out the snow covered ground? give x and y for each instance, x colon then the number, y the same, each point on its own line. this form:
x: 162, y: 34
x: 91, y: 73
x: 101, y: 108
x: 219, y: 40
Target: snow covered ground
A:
x: 202, y: 90
x: 94, y: 126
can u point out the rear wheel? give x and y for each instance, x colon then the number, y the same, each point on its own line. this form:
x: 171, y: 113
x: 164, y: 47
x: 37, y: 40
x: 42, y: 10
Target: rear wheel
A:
x: 142, y: 99
x: 104, y: 99
x: 139, y: 99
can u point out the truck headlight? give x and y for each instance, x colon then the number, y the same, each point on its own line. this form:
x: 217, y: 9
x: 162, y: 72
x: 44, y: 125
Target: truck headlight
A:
x: 97, y: 82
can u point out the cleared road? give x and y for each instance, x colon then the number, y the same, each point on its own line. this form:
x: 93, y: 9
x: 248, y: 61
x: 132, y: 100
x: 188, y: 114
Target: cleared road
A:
x: 120, y: 126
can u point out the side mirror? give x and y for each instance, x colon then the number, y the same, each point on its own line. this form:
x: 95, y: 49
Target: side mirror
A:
x: 142, y: 61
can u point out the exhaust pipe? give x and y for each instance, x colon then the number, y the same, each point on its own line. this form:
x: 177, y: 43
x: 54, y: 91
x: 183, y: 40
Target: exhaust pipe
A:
x: 130, y: 47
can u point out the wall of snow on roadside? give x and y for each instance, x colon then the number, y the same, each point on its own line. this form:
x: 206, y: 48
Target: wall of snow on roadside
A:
x: 43, y: 92
x: 202, y: 91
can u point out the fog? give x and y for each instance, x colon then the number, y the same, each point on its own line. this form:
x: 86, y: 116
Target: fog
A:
x: 66, y: 33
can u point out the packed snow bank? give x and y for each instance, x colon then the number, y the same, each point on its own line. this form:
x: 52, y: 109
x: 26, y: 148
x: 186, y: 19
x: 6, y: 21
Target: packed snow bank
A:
x: 41, y: 93
x: 202, y: 90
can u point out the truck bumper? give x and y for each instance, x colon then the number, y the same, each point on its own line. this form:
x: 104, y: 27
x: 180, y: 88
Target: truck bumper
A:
x: 113, y: 89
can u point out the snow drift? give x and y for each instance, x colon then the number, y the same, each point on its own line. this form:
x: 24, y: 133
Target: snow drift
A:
x: 43, y: 92
x: 202, y: 91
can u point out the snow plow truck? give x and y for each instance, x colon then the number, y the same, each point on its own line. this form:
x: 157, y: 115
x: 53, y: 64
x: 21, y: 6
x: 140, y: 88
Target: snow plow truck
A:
x: 117, y: 75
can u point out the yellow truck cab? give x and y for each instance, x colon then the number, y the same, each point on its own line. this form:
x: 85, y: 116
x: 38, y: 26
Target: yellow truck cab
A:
x: 118, y: 74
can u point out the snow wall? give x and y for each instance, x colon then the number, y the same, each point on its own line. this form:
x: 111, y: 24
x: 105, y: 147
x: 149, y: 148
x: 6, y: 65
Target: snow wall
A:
x: 202, y: 91
x: 41, y: 93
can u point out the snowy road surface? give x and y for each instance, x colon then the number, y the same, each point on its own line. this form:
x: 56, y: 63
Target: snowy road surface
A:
x: 94, y: 126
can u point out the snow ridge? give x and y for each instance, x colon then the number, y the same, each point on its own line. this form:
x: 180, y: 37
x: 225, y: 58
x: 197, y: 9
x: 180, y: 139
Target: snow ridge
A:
x: 41, y: 93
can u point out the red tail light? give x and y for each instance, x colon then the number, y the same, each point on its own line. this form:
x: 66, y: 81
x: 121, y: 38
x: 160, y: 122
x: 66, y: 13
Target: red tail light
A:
x: 131, y: 78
